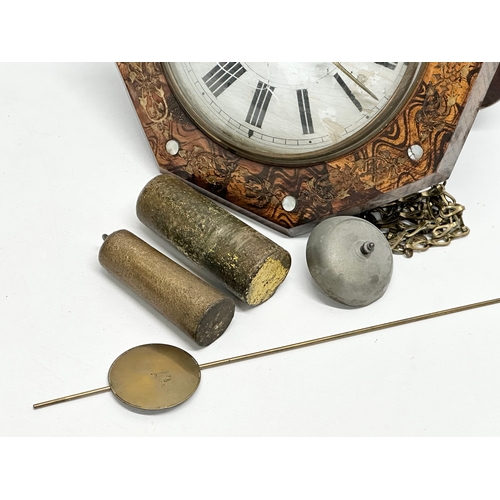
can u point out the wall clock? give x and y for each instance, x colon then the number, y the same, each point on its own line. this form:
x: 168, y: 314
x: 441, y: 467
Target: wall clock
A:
x: 293, y: 143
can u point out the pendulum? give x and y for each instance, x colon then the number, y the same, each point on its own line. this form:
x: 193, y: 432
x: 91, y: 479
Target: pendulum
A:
x: 158, y: 376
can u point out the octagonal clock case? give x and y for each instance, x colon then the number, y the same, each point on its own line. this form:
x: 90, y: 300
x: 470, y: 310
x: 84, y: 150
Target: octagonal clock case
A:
x: 291, y: 144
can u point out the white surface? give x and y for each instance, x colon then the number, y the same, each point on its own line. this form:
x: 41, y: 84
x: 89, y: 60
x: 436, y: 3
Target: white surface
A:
x: 73, y: 159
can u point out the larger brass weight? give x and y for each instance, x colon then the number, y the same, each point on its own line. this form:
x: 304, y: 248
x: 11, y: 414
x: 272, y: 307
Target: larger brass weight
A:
x: 248, y: 263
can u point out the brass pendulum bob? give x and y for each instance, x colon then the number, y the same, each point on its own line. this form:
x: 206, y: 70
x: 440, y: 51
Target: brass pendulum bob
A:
x: 159, y: 376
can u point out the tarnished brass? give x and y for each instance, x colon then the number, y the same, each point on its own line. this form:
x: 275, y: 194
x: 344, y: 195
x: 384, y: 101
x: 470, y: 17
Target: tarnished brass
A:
x: 248, y: 263
x: 195, y: 307
x: 159, y: 376
x: 71, y: 397
x: 352, y: 333
x: 154, y: 376
x: 147, y: 377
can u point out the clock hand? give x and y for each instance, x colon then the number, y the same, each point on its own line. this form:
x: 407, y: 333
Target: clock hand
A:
x: 355, y: 80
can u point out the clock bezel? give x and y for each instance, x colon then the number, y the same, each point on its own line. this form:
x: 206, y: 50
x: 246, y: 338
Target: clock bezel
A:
x: 300, y: 159
x: 435, y: 120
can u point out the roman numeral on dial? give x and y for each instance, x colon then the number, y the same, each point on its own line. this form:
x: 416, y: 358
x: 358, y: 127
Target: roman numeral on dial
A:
x: 260, y: 103
x: 305, y: 111
x: 220, y: 77
x: 348, y: 92
x: 388, y: 65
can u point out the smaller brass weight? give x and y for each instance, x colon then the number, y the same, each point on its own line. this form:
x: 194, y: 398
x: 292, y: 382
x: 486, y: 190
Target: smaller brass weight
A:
x: 195, y: 307
x: 248, y: 263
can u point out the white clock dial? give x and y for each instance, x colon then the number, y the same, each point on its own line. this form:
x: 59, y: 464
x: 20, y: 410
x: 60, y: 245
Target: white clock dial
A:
x: 295, y: 113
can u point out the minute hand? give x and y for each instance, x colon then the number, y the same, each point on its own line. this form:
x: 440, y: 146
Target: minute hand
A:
x: 355, y: 80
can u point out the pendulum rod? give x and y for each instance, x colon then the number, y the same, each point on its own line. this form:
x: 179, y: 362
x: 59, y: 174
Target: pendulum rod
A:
x: 351, y: 333
x: 298, y: 345
x: 73, y: 396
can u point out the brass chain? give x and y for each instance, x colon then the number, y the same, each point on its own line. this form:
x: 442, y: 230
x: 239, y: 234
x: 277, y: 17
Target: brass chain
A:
x: 420, y: 221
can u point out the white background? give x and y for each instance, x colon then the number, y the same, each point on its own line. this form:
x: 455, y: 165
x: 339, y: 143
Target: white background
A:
x: 73, y: 159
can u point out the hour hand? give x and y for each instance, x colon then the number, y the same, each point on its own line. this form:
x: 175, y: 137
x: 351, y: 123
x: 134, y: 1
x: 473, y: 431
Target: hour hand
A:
x: 355, y: 80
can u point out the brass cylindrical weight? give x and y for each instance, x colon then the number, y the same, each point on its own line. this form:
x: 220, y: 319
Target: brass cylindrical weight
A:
x: 195, y: 307
x: 249, y: 264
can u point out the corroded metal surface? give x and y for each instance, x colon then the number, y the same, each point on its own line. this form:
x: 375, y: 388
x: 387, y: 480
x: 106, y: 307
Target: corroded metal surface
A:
x: 247, y: 262
x: 154, y: 377
x: 195, y: 307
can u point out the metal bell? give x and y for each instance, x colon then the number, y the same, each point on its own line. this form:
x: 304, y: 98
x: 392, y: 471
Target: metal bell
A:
x: 350, y: 260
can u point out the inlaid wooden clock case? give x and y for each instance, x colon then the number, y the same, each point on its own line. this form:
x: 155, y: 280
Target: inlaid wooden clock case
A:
x: 418, y: 148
